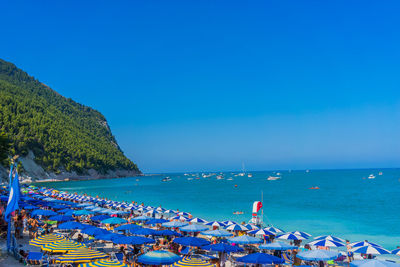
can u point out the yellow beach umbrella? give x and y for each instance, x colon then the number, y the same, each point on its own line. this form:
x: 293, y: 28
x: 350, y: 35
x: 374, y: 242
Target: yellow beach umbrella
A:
x: 62, y: 246
x: 192, y: 262
x: 46, y: 239
x: 106, y: 263
x: 81, y: 256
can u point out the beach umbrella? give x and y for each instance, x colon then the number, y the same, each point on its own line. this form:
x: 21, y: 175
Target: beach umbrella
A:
x: 142, y: 218
x: 143, y: 231
x: 260, y: 258
x: 73, y: 225
x: 302, y: 234
x: 82, y: 212
x: 174, y: 224
x: 223, y: 247
x: 180, y: 218
x: 191, y: 241
x: 30, y: 207
x: 106, y: 236
x: 168, y: 233
x: 197, y: 220
x: 274, y: 229
x: 317, y: 255
x: 218, y: 233
x: 370, y: 250
x: 363, y: 243
x: 158, y: 257
x: 326, y: 243
x: 261, y: 232
x: 166, y: 212
x: 65, y: 210
x: 81, y: 256
x: 62, y: 246
x: 114, y: 220
x: 156, y: 221
x: 103, y: 263
x: 330, y: 237
x: 396, y: 251
x: 81, y: 205
x: 100, y: 217
x: 245, y: 239
x: 228, y: 222
x: 277, y: 246
x: 216, y: 224
x: 188, y: 261
x: 290, y: 236
x: 373, y: 263
x: 193, y: 228
x: 237, y: 227
x: 61, y: 218
x: 45, y: 239
x: 94, y: 231
x: 43, y: 213
x: 251, y: 226
x: 128, y: 226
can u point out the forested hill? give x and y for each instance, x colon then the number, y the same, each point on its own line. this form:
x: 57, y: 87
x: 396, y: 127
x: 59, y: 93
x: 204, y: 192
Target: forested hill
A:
x: 53, y: 135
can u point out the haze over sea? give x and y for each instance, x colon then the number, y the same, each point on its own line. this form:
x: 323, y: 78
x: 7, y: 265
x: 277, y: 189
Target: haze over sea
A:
x: 347, y: 204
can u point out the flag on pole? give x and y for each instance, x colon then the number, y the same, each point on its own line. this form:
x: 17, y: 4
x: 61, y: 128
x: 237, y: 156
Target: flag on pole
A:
x: 13, y: 198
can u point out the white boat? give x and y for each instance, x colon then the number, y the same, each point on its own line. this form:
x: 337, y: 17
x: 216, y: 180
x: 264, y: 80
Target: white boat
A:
x: 220, y: 177
x: 371, y: 176
x: 249, y: 175
x: 380, y: 173
x: 273, y: 178
x: 166, y: 179
x: 229, y: 179
x: 190, y: 179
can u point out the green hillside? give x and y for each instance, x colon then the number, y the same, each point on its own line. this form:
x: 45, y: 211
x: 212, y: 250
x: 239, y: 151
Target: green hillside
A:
x: 62, y: 134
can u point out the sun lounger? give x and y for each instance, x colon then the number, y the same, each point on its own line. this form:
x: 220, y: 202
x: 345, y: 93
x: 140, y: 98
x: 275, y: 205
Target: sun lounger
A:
x: 34, y: 258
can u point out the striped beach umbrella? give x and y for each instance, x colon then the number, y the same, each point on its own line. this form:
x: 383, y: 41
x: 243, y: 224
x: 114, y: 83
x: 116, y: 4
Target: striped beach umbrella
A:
x: 396, y: 251
x: 216, y: 223
x: 62, y: 246
x: 290, y: 236
x: 46, y: 239
x: 158, y: 257
x: 237, y: 227
x: 180, y: 218
x: 326, y: 243
x: 302, y: 234
x: 252, y: 226
x: 81, y: 256
x: 261, y: 232
x: 330, y: 237
x: 363, y: 243
x: 274, y: 229
x: 228, y: 222
x: 188, y: 261
x: 106, y: 263
x: 197, y: 220
x: 370, y: 250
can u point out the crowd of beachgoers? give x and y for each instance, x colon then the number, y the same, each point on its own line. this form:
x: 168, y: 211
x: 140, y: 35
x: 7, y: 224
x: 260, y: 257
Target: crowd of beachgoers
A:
x: 67, y: 229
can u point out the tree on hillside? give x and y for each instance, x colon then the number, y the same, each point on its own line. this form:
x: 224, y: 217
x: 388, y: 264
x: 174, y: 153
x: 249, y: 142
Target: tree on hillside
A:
x: 4, y: 148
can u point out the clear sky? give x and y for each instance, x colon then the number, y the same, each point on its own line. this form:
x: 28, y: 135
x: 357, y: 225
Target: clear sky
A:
x: 207, y: 85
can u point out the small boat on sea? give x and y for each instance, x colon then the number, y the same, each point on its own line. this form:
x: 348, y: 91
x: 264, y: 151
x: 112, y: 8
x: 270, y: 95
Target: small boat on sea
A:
x: 249, y: 175
x: 220, y: 177
x: 380, y: 173
x: 229, y: 179
x: 371, y: 176
x: 166, y: 179
x: 273, y: 178
x: 314, y: 188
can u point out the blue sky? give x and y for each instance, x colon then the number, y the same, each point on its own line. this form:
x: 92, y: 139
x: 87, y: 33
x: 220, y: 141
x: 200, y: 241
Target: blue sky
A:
x: 207, y: 85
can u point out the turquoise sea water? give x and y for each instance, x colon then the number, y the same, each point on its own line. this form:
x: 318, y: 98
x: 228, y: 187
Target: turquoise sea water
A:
x: 347, y: 204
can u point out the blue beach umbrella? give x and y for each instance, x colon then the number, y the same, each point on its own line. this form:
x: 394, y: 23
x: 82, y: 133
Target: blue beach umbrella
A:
x: 261, y: 232
x: 30, y: 207
x: 274, y: 229
x: 72, y: 225
x: 143, y: 231
x: 228, y: 222
x: 373, y: 263
x: 370, y: 250
x: 260, y: 258
x: 43, y: 213
x: 65, y: 210
x: 94, y: 231
x: 318, y: 255
x: 106, y: 237
x: 191, y: 241
x: 61, y: 218
x: 396, y: 251
x: 82, y: 212
x: 237, y: 227
x: 100, y: 217
x: 302, y: 234
x: 142, y: 218
x: 158, y: 257
x: 114, y: 220
x: 133, y: 240
x: 81, y: 205
x: 245, y: 239
x: 290, y: 236
x: 218, y: 233
x: 174, y: 224
x: 129, y: 227
x: 168, y: 233
x: 223, y: 247
x: 326, y: 243
x: 180, y: 218
x: 193, y: 228
x: 363, y: 243
x: 330, y: 237
x: 216, y: 223
x: 277, y: 246
x: 156, y: 221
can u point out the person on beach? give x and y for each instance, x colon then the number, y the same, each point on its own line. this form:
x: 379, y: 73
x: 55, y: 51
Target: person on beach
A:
x: 350, y: 254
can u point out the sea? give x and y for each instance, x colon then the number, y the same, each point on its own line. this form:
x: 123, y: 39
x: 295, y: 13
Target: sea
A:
x: 347, y: 203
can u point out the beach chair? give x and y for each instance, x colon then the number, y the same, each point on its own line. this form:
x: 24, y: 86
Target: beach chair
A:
x: 119, y: 256
x: 287, y: 258
x: 34, y: 258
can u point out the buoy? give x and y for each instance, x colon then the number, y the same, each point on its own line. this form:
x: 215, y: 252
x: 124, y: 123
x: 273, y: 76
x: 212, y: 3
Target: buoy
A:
x: 235, y: 185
